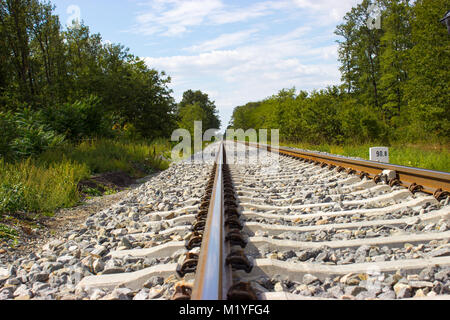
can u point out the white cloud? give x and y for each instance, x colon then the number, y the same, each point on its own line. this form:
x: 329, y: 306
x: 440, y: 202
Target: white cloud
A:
x: 223, y: 41
x: 329, y: 11
x: 175, y: 17
x: 231, y: 15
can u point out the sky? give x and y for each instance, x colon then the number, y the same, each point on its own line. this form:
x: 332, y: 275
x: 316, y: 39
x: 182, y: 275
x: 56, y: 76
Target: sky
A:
x: 236, y: 51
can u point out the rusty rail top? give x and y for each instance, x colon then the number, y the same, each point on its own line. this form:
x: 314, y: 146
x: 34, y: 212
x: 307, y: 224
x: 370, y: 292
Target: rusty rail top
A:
x: 213, y: 277
x: 429, y: 181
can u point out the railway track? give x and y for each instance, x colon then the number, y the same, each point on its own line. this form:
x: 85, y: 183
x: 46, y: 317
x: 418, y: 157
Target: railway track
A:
x: 237, y: 230
x: 307, y: 232
x: 318, y: 231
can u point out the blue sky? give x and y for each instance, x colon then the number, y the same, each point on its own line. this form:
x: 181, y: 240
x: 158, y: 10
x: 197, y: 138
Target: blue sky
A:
x: 236, y: 51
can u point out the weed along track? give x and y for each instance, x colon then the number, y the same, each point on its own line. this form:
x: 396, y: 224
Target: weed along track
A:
x: 234, y: 227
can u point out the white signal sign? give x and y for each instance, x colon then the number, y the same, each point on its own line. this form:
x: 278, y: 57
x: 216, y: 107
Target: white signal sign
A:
x: 379, y: 154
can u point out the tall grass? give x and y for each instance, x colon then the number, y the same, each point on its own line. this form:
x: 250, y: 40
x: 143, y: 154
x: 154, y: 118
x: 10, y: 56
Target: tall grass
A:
x: 109, y: 155
x: 28, y: 186
x: 49, y: 181
x: 426, y: 156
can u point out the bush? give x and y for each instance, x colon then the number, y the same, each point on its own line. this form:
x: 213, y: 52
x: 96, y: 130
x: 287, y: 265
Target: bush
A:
x: 130, y: 132
x: 24, y: 134
x: 7, y: 132
x: 82, y: 119
x: 370, y: 128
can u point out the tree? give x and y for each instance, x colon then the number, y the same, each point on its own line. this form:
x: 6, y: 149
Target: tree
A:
x: 211, y: 120
x: 347, y: 53
x: 4, y: 52
x: 359, y: 54
x: 396, y: 43
x: 48, y: 47
x: 189, y: 114
x: 241, y: 116
x: 14, y: 21
x: 427, y: 90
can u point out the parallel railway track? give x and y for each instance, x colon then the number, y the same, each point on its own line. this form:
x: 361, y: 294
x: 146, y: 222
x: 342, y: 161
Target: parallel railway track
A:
x: 334, y: 229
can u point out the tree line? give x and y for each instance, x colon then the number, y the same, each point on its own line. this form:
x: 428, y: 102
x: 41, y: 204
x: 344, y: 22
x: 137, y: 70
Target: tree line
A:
x: 395, y: 83
x: 68, y: 84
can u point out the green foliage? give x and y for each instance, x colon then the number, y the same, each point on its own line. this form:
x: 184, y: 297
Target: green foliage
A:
x: 397, y: 43
x: 7, y: 132
x: 326, y: 116
x: 130, y: 132
x: 92, y: 192
x: 189, y: 114
x: 196, y: 106
x: 81, y: 119
x: 99, y: 191
x: 7, y: 233
x: 427, y: 91
x: 25, y: 133
x: 59, y: 88
x: 33, y: 136
x: 242, y: 115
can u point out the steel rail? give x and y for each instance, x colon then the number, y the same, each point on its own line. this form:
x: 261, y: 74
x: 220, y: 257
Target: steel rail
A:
x: 213, y: 276
x: 430, y: 181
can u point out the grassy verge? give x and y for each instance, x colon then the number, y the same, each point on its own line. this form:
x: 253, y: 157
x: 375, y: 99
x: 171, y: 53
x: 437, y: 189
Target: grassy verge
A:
x: 108, y: 155
x: 427, y: 156
x: 49, y: 181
